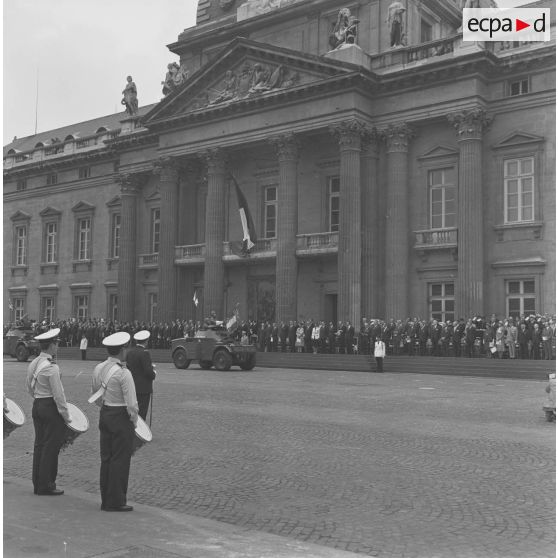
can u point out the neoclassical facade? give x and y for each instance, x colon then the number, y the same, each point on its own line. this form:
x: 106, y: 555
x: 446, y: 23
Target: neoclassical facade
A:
x: 414, y: 179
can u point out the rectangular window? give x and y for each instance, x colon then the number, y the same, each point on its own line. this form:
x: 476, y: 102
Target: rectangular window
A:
x: 155, y: 230
x: 19, y: 308
x: 21, y: 185
x: 519, y: 87
x: 115, y: 236
x: 84, y: 239
x: 21, y: 245
x: 441, y: 298
x: 48, y: 308
x: 51, y: 242
x: 520, y: 297
x: 80, y: 144
x: 152, y: 306
x: 52, y: 179
x: 270, y: 211
x: 333, y: 203
x: 443, y: 198
x: 519, y: 189
x: 113, y: 307
x: 84, y: 172
x: 81, y: 307
x: 425, y: 31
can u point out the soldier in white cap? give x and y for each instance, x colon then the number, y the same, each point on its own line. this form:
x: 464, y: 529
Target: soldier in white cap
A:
x: 50, y: 414
x: 138, y: 361
x: 113, y: 390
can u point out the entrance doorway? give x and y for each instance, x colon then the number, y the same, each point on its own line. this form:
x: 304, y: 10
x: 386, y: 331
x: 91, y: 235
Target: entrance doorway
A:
x: 330, y: 314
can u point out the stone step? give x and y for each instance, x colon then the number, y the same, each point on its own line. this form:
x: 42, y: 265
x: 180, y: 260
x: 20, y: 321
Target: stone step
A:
x: 481, y: 367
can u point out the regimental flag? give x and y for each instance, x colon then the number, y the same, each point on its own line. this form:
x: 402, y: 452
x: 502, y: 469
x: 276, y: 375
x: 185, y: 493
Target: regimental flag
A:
x: 195, y: 298
x: 233, y: 322
x: 248, y: 229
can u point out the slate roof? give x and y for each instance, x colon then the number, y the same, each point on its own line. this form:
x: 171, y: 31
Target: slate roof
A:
x: 78, y: 130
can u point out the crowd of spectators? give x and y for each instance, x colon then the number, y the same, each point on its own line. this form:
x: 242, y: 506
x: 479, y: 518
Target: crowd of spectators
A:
x: 524, y: 337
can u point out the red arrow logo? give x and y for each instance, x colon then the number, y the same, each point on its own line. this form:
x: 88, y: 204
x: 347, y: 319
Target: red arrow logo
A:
x: 519, y: 25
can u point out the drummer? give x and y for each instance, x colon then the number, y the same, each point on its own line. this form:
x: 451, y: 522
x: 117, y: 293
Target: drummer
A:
x: 50, y: 414
x: 117, y: 421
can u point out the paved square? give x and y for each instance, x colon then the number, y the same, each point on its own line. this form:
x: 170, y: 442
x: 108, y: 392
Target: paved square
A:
x: 403, y: 465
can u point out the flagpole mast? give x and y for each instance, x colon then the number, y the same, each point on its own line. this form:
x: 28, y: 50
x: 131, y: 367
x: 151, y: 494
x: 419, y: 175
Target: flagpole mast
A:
x: 37, y: 101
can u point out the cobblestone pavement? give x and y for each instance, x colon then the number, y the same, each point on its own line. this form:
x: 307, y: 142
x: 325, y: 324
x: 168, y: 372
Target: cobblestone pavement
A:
x: 394, y: 466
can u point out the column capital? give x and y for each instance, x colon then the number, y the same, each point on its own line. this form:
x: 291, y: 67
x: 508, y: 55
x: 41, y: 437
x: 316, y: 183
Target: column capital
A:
x: 215, y: 158
x: 370, y: 141
x: 129, y: 183
x: 469, y: 124
x: 397, y: 137
x: 286, y: 146
x: 166, y: 168
x: 349, y: 133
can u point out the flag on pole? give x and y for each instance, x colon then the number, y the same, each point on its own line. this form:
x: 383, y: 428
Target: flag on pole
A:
x: 195, y: 298
x: 248, y: 229
x: 10, y: 305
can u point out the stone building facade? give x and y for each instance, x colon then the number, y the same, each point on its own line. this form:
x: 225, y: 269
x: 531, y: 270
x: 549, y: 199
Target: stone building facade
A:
x: 415, y: 179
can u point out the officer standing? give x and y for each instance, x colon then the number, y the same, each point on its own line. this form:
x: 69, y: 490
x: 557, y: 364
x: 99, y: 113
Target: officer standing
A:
x: 114, y: 391
x: 50, y: 414
x: 138, y: 361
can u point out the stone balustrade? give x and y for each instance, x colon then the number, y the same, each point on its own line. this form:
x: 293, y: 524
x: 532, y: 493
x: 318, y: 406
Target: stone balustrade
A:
x: 148, y: 260
x: 438, y: 238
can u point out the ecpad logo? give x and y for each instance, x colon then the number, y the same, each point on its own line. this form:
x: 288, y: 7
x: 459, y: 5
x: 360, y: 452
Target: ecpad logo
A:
x: 517, y: 24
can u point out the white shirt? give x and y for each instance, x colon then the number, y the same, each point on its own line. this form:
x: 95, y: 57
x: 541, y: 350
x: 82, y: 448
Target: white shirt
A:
x: 380, y: 349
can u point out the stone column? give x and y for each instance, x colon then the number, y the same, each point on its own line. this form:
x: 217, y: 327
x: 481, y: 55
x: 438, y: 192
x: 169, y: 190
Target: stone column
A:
x: 371, y: 279
x: 167, y: 169
x: 397, y: 222
x: 286, y: 273
x: 469, y: 295
x: 214, y: 270
x: 349, y: 134
x: 128, y: 253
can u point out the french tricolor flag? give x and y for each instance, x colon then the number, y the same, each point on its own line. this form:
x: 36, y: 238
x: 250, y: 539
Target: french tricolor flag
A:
x: 248, y: 229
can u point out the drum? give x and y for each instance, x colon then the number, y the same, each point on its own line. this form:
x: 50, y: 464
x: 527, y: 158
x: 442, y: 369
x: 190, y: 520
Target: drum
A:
x: 143, y: 435
x: 13, y: 417
x: 78, y: 424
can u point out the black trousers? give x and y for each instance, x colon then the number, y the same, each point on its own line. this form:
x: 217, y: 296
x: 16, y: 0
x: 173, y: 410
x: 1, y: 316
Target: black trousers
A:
x: 50, y: 431
x: 117, y: 442
x: 379, y: 364
x: 143, y: 404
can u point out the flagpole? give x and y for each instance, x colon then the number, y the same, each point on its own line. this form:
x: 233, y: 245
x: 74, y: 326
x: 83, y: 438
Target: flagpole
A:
x: 37, y: 102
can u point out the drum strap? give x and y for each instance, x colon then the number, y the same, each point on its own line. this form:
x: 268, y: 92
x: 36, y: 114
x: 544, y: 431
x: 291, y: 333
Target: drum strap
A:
x: 46, y: 362
x: 101, y: 391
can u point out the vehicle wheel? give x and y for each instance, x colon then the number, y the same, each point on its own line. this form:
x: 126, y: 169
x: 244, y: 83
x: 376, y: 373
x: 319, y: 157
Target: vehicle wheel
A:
x: 206, y: 364
x: 249, y: 363
x: 180, y: 359
x: 22, y: 353
x: 222, y: 360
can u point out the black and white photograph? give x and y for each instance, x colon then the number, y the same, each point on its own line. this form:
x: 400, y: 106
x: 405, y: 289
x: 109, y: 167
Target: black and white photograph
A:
x: 279, y: 278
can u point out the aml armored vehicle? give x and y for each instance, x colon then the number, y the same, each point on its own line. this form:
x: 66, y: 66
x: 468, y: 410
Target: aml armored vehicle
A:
x: 213, y: 346
x: 19, y: 343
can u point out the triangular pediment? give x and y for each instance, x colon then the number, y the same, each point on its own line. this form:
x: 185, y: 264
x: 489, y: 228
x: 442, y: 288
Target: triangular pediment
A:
x: 20, y: 216
x: 50, y: 212
x: 115, y: 202
x: 83, y: 206
x: 439, y: 151
x: 246, y: 70
x: 518, y: 138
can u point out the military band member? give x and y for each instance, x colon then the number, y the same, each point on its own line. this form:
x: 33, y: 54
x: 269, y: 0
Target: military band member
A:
x: 138, y: 361
x: 50, y: 414
x: 114, y: 391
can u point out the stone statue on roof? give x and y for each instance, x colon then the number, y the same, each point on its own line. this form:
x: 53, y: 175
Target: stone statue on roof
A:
x: 130, y: 100
x: 176, y: 75
x: 395, y: 24
x: 344, y: 30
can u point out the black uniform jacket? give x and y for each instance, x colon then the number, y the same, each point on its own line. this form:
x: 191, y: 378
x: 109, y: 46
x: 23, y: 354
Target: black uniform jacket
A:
x: 138, y: 361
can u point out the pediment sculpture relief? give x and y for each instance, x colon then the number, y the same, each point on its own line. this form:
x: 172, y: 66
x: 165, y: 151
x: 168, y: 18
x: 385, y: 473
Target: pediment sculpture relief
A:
x: 250, y: 80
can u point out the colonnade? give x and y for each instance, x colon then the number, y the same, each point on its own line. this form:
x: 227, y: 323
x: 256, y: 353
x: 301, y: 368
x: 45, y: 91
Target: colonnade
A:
x: 371, y: 278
